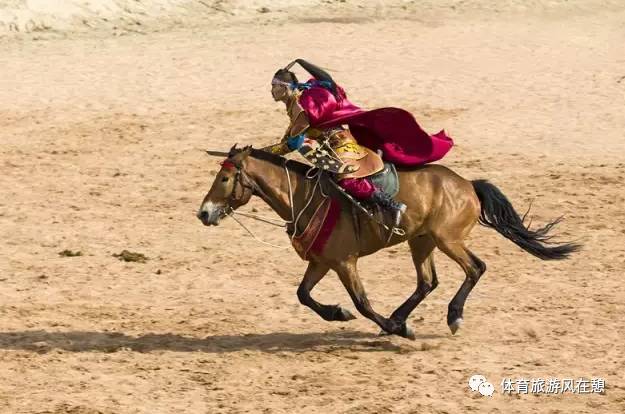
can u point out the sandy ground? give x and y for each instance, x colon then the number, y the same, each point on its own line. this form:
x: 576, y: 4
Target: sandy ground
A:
x: 101, y: 136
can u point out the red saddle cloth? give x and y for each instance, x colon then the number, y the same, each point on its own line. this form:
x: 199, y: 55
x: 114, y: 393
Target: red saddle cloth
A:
x: 318, y: 230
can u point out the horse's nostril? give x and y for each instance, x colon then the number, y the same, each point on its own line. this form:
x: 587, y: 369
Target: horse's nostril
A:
x: 202, y: 215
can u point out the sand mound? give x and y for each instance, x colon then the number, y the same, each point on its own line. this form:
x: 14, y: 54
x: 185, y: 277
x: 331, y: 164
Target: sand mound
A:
x: 25, y: 16
x: 65, y: 16
x: 69, y: 16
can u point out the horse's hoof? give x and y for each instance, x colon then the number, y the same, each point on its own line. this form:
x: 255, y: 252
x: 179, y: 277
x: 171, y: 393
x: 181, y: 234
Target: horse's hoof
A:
x: 405, y: 333
x: 455, y: 325
x: 343, y: 315
x: 408, y: 333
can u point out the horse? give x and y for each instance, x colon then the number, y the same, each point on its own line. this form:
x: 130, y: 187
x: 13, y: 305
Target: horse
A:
x: 442, y: 209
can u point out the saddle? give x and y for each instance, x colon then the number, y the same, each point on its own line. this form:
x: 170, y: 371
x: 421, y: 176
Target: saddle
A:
x: 323, y: 220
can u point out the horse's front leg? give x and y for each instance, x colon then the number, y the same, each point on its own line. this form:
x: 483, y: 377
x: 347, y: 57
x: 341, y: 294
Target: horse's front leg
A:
x: 348, y: 274
x: 314, y: 273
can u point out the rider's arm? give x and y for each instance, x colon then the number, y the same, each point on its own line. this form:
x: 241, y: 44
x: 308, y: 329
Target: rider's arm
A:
x: 295, y: 133
x: 288, y: 144
x: 299, y: 122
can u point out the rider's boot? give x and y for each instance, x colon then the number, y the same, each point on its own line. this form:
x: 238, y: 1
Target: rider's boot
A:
x: 386, y: 201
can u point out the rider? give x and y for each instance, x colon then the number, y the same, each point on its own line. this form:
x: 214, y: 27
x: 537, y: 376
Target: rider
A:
x: 332, y: 148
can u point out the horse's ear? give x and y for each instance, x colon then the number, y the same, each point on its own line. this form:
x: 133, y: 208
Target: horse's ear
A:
x: 247, y: 150
x: 233, y: 151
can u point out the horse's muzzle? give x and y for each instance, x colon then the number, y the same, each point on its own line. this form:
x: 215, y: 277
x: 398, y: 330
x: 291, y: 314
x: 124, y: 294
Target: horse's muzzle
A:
x: 210, y: 214
x: 204, y: 218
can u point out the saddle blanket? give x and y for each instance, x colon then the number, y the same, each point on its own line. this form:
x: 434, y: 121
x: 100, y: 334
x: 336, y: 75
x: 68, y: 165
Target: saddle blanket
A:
x: 318, y: 230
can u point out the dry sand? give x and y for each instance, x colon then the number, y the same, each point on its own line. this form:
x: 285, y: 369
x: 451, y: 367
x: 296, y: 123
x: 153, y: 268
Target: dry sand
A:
x: 101, y: 129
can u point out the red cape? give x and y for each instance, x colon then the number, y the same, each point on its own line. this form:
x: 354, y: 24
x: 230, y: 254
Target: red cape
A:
x: 393, y: 130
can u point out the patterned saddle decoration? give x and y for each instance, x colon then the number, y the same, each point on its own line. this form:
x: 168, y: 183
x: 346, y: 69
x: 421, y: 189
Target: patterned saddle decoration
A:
x: 336, y: 151
x: 321, y: 157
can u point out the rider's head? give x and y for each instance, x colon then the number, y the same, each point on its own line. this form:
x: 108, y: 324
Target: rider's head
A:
x: 282, y: 84
x: 284, y: 81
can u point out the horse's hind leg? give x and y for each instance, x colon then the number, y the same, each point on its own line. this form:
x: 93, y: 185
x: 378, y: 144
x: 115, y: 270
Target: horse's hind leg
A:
x: 421, y: 249
x: 473, y: 268
x: 349, y: 277
x: 314, y: 273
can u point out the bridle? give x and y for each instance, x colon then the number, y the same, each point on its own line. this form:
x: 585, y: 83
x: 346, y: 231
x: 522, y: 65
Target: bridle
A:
x: 242, y: 179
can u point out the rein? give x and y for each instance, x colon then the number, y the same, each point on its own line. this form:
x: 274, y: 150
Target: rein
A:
x: 229, y: 211
x: 317, y: 174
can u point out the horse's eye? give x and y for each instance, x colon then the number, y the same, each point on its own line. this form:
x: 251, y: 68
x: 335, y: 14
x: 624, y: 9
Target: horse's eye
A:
x: 224, y: 179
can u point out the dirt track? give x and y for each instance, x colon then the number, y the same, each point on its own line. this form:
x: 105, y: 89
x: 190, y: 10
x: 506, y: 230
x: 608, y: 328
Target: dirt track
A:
x: 101, y: 141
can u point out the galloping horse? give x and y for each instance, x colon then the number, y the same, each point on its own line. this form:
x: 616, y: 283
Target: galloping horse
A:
x: 442, y: 209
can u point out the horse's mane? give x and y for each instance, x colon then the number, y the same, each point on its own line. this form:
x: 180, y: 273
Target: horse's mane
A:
x: 295, y: 166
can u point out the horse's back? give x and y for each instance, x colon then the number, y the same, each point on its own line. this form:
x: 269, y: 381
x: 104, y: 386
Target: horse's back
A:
x: 434, y: 178
x: 431, y: 170
x: 435, y: 194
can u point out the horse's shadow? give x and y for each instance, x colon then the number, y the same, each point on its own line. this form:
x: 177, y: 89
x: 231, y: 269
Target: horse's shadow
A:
x: 81, y: 341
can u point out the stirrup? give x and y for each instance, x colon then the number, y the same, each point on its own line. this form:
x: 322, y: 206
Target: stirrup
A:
x: 397, y: 213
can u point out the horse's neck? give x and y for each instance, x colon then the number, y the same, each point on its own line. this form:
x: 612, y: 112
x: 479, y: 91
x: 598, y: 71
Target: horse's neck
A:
x: 274, y: 185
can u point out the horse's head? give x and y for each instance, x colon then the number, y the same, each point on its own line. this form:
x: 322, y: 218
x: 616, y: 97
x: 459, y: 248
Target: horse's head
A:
x: 231, y: 188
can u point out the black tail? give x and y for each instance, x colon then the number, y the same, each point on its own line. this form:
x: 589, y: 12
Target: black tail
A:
x: 498, y: 213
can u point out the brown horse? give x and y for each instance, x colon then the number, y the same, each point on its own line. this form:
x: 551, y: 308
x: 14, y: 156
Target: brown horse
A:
x: 442, y: 209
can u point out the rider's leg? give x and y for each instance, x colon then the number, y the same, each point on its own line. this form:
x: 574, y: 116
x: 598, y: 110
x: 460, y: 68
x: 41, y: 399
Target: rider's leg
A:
x: 363, y: 189
x: 360, y: 188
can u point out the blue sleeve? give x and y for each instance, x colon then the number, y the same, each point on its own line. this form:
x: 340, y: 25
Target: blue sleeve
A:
x: 295, y: 142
